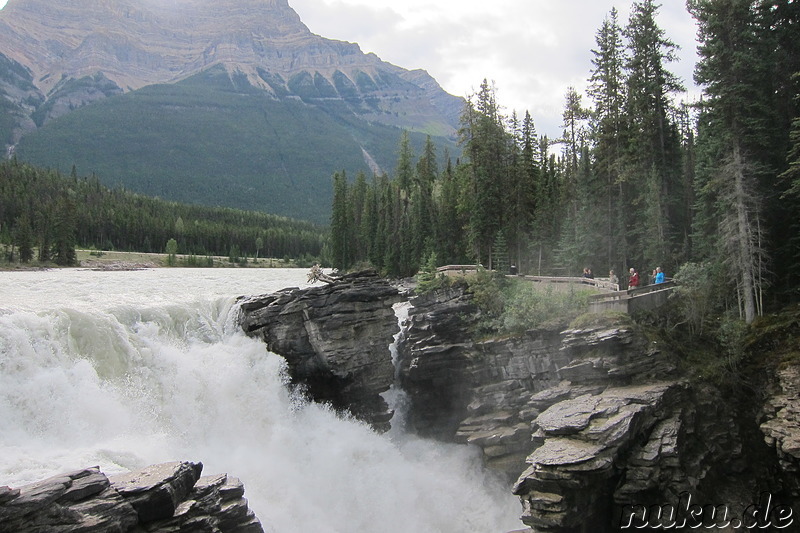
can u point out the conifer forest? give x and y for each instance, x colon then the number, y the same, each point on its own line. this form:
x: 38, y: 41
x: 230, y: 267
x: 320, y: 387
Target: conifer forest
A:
x: 46, y: 216
x: 639, y: 178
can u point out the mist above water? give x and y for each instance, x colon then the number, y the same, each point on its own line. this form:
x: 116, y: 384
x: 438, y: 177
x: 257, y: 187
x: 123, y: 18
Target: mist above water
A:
x: 127, y: 369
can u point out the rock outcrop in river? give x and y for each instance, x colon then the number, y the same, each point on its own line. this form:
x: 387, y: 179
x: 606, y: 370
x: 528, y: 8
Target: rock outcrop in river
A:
x: 335, y: 339
x: 163, y: 498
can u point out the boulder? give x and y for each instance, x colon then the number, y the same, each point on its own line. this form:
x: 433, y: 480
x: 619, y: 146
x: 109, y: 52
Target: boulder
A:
x: 165, y: 498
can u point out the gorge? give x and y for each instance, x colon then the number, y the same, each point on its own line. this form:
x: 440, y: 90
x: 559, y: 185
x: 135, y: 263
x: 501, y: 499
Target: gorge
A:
x: 590, y: 422
x: 582, y: 422
x: 123, y: 370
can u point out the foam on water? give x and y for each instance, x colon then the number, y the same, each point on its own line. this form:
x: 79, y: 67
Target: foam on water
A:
x: 123, y: 370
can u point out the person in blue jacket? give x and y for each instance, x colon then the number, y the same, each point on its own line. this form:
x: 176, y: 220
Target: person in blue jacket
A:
x: 659, y: 275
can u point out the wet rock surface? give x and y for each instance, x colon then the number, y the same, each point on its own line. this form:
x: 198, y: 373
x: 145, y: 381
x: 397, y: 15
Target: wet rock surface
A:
x: 597, y: 419
x: 781, y: 427
x: 163, y: 498
x: 335, y: 339
x: 585, y: 422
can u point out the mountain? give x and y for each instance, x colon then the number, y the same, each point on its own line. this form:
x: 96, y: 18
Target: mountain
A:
x: 223, y: 102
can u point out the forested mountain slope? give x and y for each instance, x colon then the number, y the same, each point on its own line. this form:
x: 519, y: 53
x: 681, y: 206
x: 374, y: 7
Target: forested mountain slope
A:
x: 240, y: 105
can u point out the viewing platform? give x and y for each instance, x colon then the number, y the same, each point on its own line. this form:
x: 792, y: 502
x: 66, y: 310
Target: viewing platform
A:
x: 635, y: 300
x: 609, y: 297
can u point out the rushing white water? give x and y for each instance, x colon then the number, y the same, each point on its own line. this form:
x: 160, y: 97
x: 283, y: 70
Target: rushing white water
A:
x: 127, y: 369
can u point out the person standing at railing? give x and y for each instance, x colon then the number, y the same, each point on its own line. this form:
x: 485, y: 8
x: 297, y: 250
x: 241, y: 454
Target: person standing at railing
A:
x: 612, y: 278
x: 659, y: 275
x: 633, y: 279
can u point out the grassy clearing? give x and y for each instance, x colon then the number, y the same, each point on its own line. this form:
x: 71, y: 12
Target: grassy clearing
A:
x: 112, y: 260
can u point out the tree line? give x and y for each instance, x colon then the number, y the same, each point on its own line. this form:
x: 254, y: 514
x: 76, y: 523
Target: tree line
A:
x: 44, y: 216
x: 637, y: 179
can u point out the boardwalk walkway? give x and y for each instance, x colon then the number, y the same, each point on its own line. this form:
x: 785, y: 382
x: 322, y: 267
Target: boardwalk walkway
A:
x: 630, y: 301
x: 609, y: 297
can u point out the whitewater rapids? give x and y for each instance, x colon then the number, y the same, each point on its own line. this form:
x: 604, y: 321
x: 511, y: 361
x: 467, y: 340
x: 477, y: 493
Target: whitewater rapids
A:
x: 126, y: 369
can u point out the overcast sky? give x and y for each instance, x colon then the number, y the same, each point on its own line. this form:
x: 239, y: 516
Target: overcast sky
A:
x: 533, y: 50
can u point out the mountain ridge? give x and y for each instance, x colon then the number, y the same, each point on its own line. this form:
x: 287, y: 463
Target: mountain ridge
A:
x: 136, y: 43
x: 56, y: 60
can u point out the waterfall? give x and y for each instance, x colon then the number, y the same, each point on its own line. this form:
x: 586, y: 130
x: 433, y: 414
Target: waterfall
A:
x: 395, y: 397
x: 123, y: 370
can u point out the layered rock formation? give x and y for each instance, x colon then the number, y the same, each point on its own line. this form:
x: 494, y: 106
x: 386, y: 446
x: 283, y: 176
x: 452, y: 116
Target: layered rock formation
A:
x: 335, y: 339
x: 781, y: 426
x: 596, y: 418
x: 135, y: 43
x: 490, y: 393
x: 594, y: 425
x: 163, y: 498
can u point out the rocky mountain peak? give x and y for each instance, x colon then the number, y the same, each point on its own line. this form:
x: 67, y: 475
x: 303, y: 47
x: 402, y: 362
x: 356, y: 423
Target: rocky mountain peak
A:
x: 135, y: 43
x: 140, y: 42
x: 67, y: 57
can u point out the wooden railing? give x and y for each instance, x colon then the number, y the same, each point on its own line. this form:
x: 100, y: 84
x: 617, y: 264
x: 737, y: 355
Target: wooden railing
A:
x: 610, y: 296
x: 632, y: 300
x: 599, y: 283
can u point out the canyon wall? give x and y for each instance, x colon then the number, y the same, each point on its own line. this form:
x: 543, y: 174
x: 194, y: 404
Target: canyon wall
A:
x: 592, y: 423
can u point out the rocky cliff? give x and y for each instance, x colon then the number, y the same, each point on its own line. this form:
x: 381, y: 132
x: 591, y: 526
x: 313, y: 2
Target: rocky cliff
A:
x: 597, y: 418
x: 135, y: 43
x: 335, y: 339
x: 160, y: 499
x: 594, y: 424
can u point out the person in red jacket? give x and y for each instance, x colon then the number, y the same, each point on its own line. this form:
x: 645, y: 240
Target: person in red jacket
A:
x: 633, y: 281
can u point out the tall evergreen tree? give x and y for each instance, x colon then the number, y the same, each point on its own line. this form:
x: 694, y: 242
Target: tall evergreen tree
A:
x: 735, y: 118
x: 65, y: 231
x: 609, y: 132
x: 653, y: 155
x: 486, y: 145
x: 423, y: 219
x: 575, y: 184
x: 450, y: 244
x: 523, y: 192
x: 23, y: 237
x: 340, y: 223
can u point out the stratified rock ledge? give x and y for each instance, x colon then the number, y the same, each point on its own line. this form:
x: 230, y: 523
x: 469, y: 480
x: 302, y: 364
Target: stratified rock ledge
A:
x: 335, y: 339
x: 164, y: 498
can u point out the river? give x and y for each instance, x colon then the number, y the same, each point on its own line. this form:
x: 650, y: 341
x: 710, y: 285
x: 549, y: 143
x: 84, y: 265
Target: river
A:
x: 127, y: 369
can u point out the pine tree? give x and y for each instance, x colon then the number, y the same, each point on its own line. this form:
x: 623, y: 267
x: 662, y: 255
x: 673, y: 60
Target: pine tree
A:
x: 450, y: 244
x: 64, y: 234
x: 423, y: 218
x: 523, y: 190
x: 609, y: 133
x: 653, y: 162
x: 575, y: 185
x: 356, y: 212
x: 340, y: 223
x: 23, y: 238
x: 735, y: 121
x: 486, y: 145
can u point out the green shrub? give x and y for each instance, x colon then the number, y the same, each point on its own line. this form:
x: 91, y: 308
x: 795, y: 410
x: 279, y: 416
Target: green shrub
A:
x: 428, y: 278
x: 512, y: 305
x: 697, y: 294
x: 530, y: 305
x: 487, y: 292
